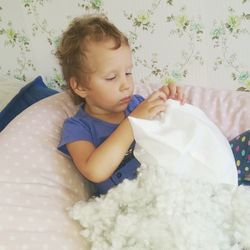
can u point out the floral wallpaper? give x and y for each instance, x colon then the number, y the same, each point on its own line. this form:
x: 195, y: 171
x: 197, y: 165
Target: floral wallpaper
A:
x: 194, y: 42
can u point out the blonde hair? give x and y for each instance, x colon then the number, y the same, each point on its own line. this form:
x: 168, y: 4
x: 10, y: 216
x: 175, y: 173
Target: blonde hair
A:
x: 73, y: 44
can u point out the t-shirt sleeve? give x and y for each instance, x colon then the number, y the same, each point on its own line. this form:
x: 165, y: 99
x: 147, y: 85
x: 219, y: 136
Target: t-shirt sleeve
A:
x: 136, y: 100
x: 73, y: 130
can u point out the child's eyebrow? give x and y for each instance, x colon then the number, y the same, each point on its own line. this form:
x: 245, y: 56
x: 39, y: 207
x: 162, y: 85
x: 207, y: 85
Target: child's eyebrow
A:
x: 130, y: 66
x: 115, y: 70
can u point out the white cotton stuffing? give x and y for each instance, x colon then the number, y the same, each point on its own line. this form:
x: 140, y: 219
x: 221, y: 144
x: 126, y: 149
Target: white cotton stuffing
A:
x: 179, y: 200
x: 159, y: 211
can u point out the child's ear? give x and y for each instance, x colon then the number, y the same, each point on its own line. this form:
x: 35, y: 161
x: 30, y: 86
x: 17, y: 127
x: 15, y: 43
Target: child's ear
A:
x: 78, y: 88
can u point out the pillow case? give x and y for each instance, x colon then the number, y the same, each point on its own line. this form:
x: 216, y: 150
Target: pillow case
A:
x: 228, y: 109
x: 37, y: 183
x: 28, y: 95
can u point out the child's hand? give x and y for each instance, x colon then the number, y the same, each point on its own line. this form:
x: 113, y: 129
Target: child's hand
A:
x: 172, y: 91
x: 151, y: 106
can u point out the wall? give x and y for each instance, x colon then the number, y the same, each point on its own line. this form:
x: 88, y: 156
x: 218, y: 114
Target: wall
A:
x: 196, y: 42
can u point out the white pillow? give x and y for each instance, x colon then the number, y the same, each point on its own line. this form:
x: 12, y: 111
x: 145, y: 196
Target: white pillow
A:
x: 37, y: 183
x: 8, y: 89
x: 186, y: 143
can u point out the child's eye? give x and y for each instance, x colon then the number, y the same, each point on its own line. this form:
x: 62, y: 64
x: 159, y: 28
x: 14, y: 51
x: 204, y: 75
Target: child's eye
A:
x: 110, y: 78
x: 128, y: 73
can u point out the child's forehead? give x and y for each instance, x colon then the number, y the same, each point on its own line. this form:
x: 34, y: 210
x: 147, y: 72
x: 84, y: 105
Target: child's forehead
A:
x: 104, y: 53
x: 91, y: 45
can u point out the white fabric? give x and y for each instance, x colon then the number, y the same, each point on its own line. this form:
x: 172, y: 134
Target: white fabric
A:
x: 185, y: 142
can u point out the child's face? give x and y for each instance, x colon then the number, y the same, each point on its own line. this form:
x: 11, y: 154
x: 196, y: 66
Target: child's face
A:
x: 111, y: 83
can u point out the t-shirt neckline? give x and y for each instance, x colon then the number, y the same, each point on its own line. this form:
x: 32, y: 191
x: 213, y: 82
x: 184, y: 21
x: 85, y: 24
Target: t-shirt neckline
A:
x: 100, y: 120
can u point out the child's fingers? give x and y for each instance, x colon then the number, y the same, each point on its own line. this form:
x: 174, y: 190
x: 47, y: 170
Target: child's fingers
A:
x: 166, y: 90
x: 179, y: 94
x: 157, y: 102
x: 173, y: 90
x: 155, y: 105
x: 157, y: 95
x: 155, y: 110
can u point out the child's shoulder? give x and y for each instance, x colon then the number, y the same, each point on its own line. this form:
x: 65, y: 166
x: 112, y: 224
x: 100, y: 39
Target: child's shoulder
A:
x: 80, y: 118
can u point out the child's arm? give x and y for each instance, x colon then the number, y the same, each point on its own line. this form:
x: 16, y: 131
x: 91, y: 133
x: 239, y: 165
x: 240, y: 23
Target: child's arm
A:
x: 98, y: 164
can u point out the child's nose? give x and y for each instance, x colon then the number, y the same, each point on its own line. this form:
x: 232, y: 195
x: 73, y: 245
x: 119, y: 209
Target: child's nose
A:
x: 125, y: 83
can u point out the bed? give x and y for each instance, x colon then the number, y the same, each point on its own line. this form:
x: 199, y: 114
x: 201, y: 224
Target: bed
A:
x: 38, y: 184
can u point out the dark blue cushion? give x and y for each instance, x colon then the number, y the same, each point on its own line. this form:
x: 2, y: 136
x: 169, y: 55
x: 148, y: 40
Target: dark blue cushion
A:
x: 28, y: 95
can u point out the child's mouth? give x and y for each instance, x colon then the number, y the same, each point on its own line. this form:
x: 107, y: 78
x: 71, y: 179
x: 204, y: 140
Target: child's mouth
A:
x: 125, y: 100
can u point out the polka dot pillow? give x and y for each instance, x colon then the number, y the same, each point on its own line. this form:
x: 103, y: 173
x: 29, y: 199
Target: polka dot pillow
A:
x: 38, y: 184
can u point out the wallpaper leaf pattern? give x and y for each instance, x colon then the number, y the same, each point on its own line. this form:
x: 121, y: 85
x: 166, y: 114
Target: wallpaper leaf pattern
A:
x: 232, y: 28
x: 172, y: 40
x: 16, y: 39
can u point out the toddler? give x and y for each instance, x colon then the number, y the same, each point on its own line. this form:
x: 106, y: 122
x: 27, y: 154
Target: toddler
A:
x: 96, y: 61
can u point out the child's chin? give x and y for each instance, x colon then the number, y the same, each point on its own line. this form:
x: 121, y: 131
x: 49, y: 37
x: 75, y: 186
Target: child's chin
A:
x: 121, y: 107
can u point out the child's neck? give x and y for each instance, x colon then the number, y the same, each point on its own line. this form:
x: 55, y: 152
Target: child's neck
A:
x: 115, y: 117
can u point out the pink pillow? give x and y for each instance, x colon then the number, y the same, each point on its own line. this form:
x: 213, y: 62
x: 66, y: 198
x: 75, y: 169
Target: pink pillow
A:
x: 37, y: 183
x: 229, y: 110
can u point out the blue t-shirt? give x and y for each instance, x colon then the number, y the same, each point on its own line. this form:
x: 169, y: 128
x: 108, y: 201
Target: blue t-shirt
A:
x: 82, y: 126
